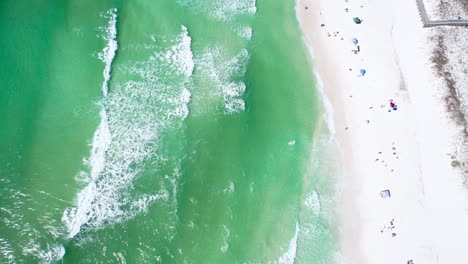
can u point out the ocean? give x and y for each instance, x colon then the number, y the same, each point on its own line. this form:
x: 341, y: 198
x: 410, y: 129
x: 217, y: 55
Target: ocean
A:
x: 183, y: 131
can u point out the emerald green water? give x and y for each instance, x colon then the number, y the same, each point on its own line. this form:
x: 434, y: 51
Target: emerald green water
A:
x: 206, y: 145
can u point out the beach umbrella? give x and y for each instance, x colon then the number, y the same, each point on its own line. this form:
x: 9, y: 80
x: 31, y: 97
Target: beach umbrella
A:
x: 357, y: 20
x: 363, y: 72
x: 355, y: 40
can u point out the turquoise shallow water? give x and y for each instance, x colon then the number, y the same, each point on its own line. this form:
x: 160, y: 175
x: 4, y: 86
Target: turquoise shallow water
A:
x: 183, y: 131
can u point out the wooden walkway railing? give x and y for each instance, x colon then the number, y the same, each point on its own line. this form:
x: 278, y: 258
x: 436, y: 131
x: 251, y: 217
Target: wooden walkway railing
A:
x: 435, y: 23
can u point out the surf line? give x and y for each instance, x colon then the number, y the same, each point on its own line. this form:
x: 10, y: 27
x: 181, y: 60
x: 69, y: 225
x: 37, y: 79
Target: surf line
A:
x: 108, y: 53
x: 75, y: 218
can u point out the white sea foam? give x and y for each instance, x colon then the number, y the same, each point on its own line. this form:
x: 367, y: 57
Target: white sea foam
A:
x: 6, y: 251
x: 52, y: 254
x: 74, y: 218
x: 120, y: 257
x: 289, y: 256
x: 226, y: 234
x: 313, y: 203
x: 142, y: 203
x: 182, y: 109
x: 108, y: 53
x: 251, y: 187
x: 223, y: 73
x: 234, y: 89
x: 224, y: 248
x: 133, y: 114
x: 179, y: 57
x: 101, y: 142
x: 234, y: 105
x: 244, y: 32
x: 222, y: 10
x: 231, y: 188
x: 34, y: 232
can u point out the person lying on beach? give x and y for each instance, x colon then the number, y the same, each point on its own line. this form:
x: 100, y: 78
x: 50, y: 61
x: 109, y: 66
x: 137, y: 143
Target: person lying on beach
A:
x: 393, y: 106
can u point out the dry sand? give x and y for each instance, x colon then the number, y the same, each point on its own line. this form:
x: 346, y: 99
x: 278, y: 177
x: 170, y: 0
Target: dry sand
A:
x: 406, y: 151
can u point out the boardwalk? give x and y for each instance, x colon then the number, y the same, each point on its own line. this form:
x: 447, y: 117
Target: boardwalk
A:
x: 434, y: 23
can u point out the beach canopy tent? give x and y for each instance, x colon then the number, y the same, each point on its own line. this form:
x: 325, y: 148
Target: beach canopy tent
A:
x: 362, y: 71
x: 385, y: 194
x: 355, y: 40
x: 357, y: 20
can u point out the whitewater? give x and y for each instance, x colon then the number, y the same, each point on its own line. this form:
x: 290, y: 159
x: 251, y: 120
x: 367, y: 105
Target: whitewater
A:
x: 180, y: 131
x: 75, y: 218
x: 104, y: 200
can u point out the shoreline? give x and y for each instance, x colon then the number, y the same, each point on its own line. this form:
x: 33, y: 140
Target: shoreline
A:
x: 345, y: 188
x: 383, y: 149
x: 347, y: 230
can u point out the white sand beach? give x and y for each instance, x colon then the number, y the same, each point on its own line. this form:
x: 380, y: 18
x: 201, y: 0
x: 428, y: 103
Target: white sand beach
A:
x: 407, y: 151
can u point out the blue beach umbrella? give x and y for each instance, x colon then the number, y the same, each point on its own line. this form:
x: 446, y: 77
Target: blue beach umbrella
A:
x: 362, y: 71
x: 355, y: 40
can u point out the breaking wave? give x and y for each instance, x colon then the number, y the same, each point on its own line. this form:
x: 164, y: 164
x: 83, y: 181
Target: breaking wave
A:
x: 152, y: 97
x: 289, y: 256
x: 220, y: 9
x: 223, y: 74
x: 108, y: 53
x: 76, y: 217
